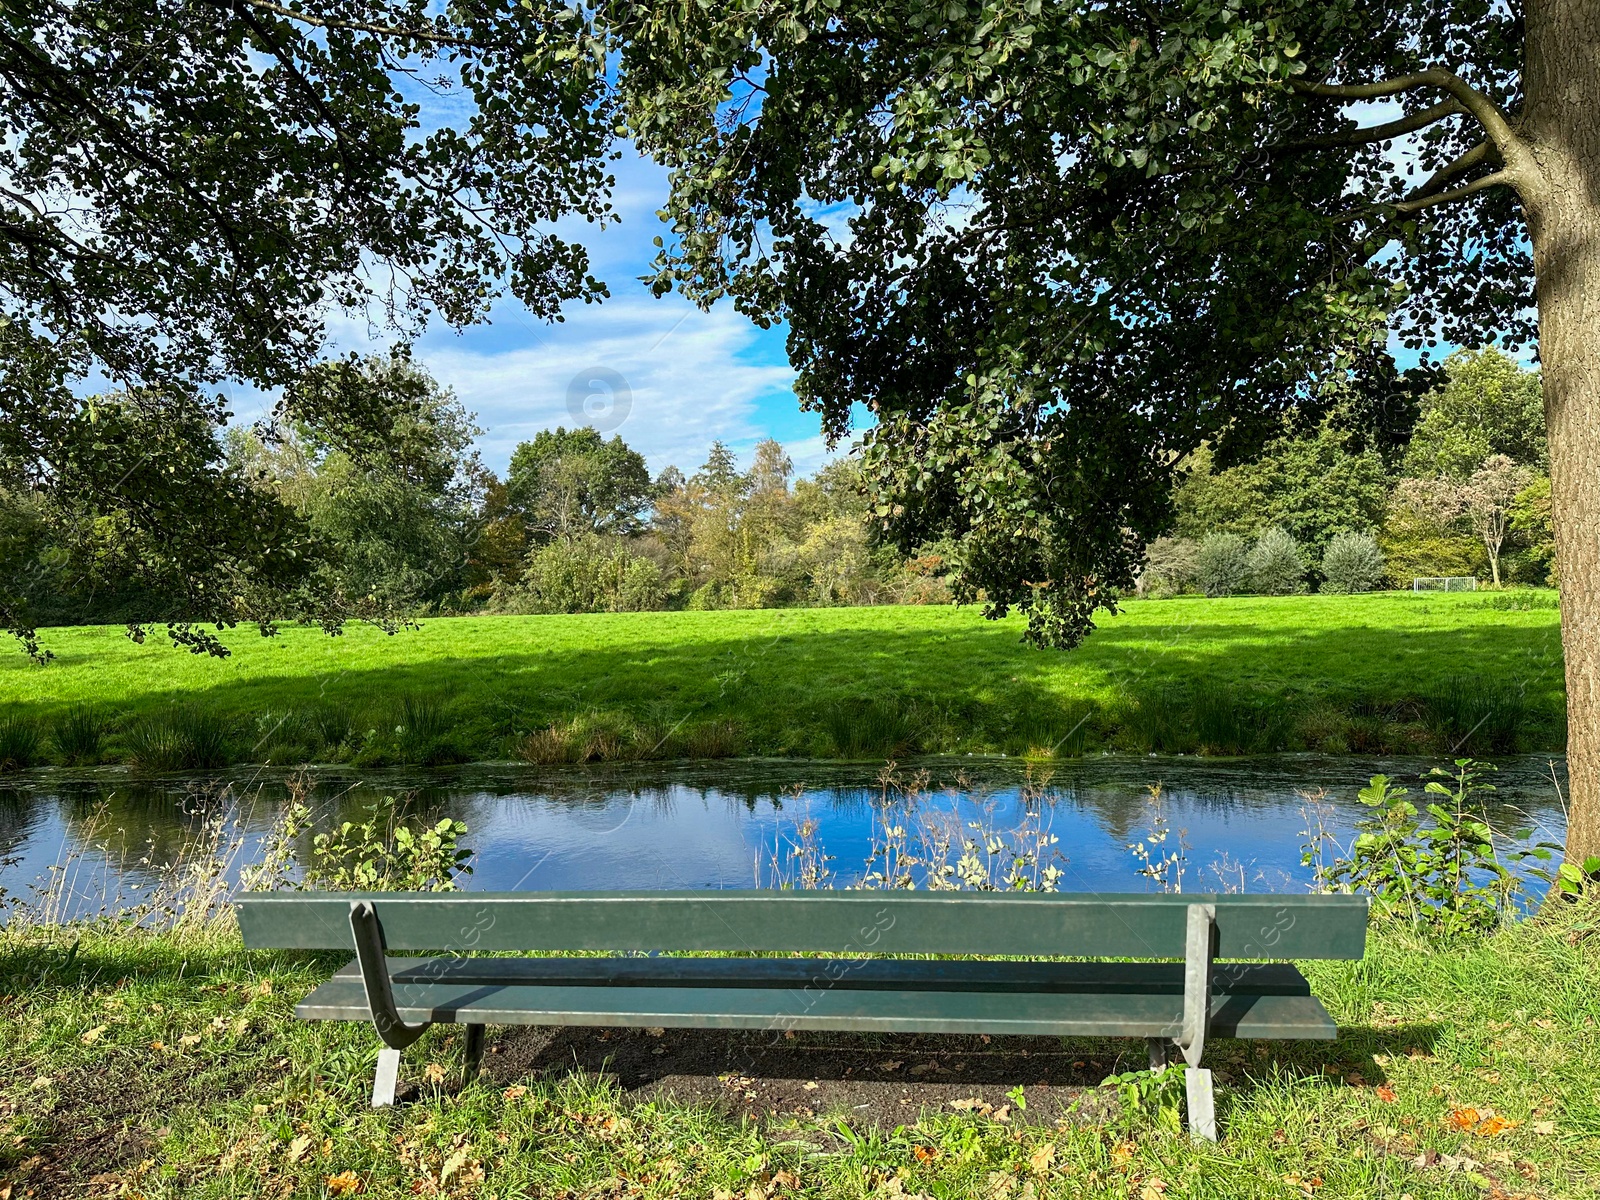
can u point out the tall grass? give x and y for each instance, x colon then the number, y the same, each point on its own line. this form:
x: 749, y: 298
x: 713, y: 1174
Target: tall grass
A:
x: 182, y: 738
x: 425, y: 734
x: 1470, y: 715
x: 879, y: 727
x: 79, y: 734
x: 21, y: 746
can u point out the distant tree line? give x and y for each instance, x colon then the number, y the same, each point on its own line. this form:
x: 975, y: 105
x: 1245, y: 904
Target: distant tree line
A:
x: 397, y: 515
x: 1468, y: 494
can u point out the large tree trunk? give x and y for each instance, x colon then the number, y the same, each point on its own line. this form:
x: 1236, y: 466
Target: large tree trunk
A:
x: 1561, y: 127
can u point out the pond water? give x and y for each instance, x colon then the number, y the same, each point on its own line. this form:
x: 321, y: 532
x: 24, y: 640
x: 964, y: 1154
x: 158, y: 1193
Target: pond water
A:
x: 101, y: 838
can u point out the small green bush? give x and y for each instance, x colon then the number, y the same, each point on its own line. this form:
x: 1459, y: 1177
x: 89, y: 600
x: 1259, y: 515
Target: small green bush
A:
x: 389, y: 851
x: 1276, y: 565
x: 1222, y: 566
x: 584, y: 575
x: 1447, y: 871
x: 1353, y: 563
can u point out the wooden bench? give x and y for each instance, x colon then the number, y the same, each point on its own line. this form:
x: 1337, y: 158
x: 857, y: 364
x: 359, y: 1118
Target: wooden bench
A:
x: 1177, y: 1006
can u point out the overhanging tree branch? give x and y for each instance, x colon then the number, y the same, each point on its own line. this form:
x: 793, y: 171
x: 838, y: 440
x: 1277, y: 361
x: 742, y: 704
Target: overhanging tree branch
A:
x: 1498, y: 179
x: 1388, y: 130
x: 1463, y: 162
x: 394, y: 31
x: 1489, y: 114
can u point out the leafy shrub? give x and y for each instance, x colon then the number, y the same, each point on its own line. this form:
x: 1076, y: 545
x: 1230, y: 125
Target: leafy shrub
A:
x: 20, y: 743
x: 384, y: 853
x: 182, y: 738
x: 79, y: 734
x: 1443, y: 872
x: 584, y: 575
x: 1276, y: 565
x: 1353, y: 563
x: 1222, y: 566
x: 1171, y: 567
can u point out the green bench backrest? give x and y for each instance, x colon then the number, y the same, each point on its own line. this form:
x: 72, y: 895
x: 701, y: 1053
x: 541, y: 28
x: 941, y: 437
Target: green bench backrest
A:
x: 1088, y: 926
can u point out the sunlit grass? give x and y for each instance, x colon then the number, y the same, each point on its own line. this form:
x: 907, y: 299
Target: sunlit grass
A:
x: 170, y: 1066
x: 795, y: 681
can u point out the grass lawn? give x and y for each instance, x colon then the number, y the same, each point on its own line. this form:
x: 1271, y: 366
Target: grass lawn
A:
x: 149, y: 1065
x: 851, y: 681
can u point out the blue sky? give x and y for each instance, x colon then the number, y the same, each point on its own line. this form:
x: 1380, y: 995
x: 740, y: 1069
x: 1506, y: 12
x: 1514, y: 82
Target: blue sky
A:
x: 687, y: 377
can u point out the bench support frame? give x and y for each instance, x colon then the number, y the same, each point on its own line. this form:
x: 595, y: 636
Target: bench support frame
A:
x: 372, y: 954
x: 1191, y: 1043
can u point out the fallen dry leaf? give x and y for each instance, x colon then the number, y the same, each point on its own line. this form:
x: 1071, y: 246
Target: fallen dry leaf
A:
x: 1385, y: 1093
x: 454, y: 1162
x: 1463, y: 1119
x: 1043, y: 1158
x: 514, y: 1092
x: 1544, y: 1128
x: 345, y: 1183
x: 189, y: 1039
x: 91, y: 1036
x: 890, y: 1066
x: 1121, y: 1154
x: 434, y: 1073
x: 809, y: 1085
x: 298, y: 1148
x: 1153, y: 1188
x: 924, y: 1153
x: 1495, y: 1125
x: 971, y: 1104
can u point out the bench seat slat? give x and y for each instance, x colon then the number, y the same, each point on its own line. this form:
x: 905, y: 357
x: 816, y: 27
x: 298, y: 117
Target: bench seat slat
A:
x: 1090, y: 926
x: 1059, y: 1014
x: 1278, y: 979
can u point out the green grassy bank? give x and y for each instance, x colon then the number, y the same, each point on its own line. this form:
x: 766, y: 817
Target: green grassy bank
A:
x: 1383, y: 673
x: 148, y: 1065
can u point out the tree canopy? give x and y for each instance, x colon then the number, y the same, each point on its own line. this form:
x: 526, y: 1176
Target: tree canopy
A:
x: 1082, y: 240
x: 186, y: 193
x: 568, y: 482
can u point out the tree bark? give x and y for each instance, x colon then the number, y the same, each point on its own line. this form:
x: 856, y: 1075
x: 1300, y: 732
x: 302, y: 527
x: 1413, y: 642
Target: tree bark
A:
x: 1560, y: 127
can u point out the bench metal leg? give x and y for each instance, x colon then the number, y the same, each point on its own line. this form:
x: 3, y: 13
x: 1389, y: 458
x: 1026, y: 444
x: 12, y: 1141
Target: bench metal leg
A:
x: 388, y: 1075
x: 1158, y: 1054
x: 473, y: 1055
x: 1202, y: 1104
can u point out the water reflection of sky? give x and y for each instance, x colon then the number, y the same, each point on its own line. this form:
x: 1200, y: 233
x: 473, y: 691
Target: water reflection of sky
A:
x: 706, y: 825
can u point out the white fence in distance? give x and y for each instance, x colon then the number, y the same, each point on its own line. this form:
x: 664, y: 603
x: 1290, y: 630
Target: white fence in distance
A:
x: 1445, y: 583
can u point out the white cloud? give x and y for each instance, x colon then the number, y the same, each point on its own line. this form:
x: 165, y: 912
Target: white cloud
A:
x: 684, y: 380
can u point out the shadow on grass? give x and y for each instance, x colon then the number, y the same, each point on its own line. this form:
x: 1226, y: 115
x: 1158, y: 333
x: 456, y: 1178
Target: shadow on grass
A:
x: 766, y: 679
